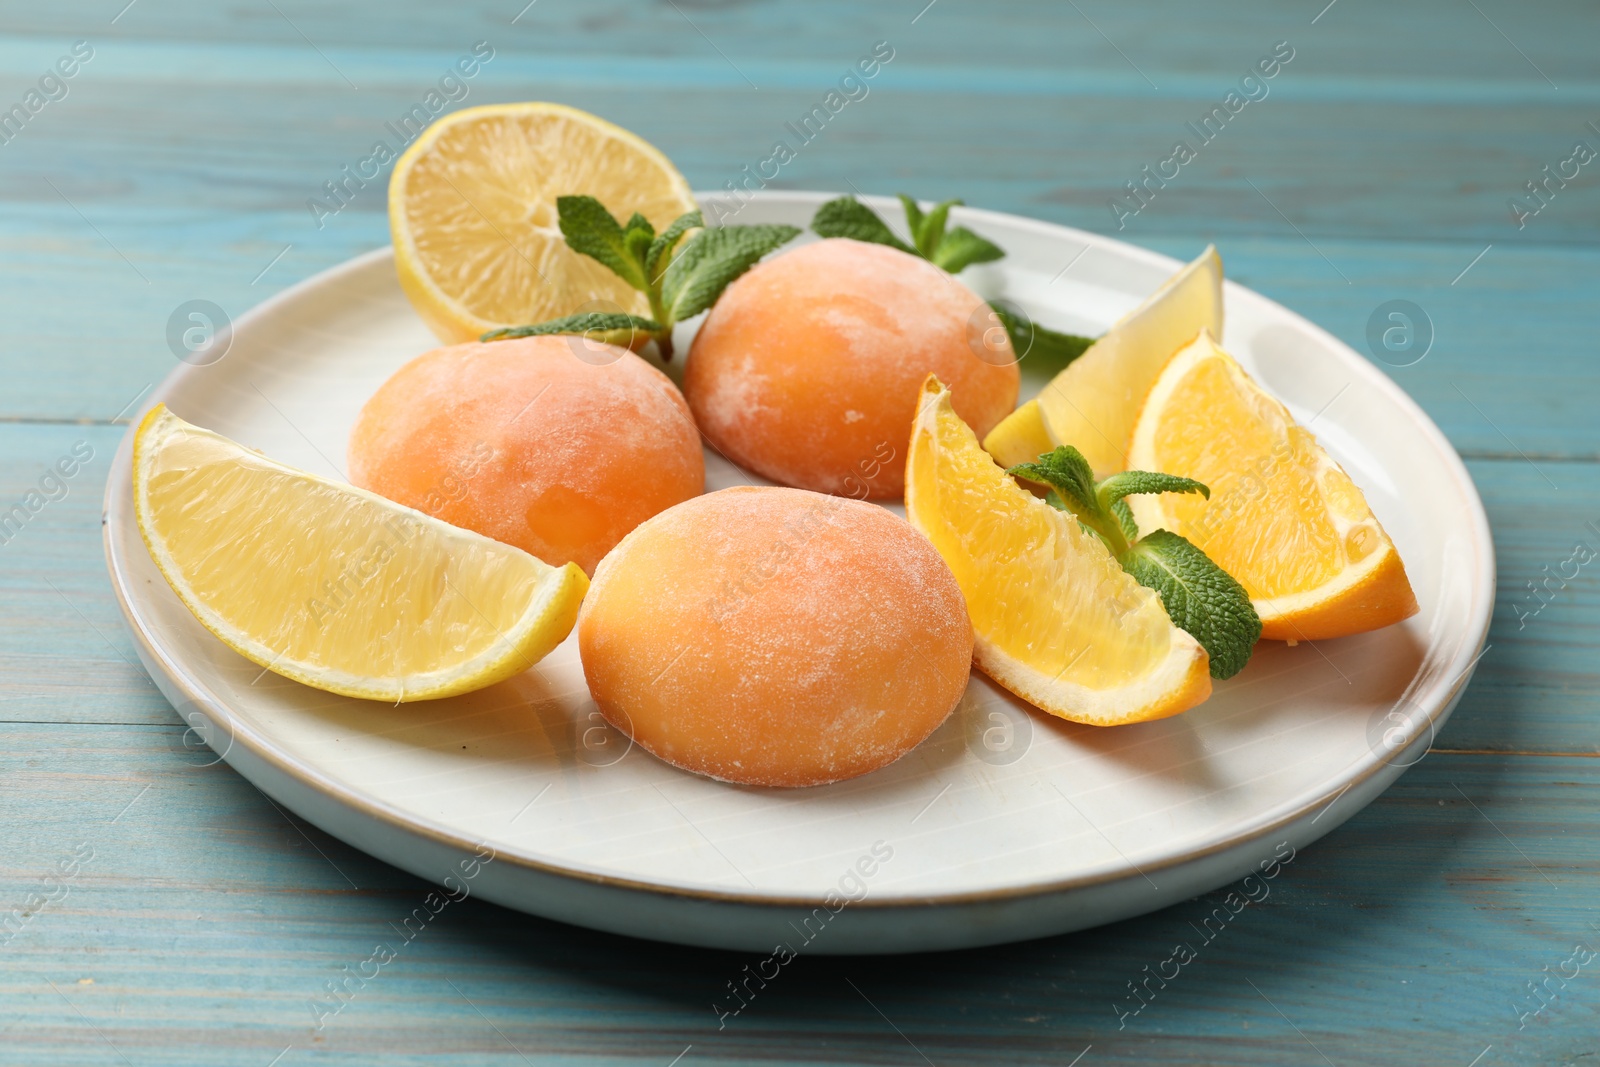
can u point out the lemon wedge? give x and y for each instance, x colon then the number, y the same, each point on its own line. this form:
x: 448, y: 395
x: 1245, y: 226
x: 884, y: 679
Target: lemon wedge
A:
x: 1283, y: 518
x: 334, y: 586
x: 1057, y: 620
x: 472, y: 211
x: 1093, y: 402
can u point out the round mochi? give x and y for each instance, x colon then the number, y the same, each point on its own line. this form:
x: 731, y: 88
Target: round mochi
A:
x: 808, y: 368
x: 775, y: 637
x: 527, y: 443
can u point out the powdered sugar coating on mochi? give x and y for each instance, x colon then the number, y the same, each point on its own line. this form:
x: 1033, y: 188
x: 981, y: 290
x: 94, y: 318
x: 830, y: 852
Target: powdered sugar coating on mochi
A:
x: 808, y: 368
x: 524, y: 442
x: 775, y: 637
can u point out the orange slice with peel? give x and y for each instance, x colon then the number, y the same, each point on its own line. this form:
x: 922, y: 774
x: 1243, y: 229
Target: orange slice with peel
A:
x: 1057, y: 620
x: 1283, y: 518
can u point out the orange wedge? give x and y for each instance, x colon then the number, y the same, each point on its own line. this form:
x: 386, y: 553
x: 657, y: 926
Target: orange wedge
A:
x: 1283, y: 518
x: 1056, y: 619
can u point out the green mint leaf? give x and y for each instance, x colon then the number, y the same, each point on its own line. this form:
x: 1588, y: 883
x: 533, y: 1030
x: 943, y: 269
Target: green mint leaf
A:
x: 613, y: 328
x: 1068, y: 472
x: 953, y: 250
x: 638, y: 235
x: 1053, y: 349
x: 592, y: 231
x: 1132, y: 483
x: 1049, y: 350
x: 913, y: 212
x: 1053, y: 498
x: 931, y: 232
x: 961, y: 248
x: 1200, y: 597
x: 711, y: 260
x: 664, y: 244
x: 1124, y: 516
x: 849, y: 217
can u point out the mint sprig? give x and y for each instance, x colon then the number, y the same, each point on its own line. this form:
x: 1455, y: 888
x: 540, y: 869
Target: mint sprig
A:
x: 680, y: 277
x: 1200, y: 597
x: 591, y: 230
x: 954, y: 250
x: 612, y: 328
x: 706, y: 265
x: 957, y: 249
x: 668, y: 240
x: 1049, y: 350
x: 951, y: 249
x: 849, y: 217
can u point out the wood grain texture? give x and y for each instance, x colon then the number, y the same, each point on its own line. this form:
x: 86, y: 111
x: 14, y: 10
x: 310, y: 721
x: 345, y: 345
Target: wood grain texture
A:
x: 1378, y: 168
x: 208, y: 921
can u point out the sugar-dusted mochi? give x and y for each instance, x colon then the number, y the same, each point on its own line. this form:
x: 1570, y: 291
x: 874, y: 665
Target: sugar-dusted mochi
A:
x: 775, y: 637
x: 528, y: 443
x: 808, y: 368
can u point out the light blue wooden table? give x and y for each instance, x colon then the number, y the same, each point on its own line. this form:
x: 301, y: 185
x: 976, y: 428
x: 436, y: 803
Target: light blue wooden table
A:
x: 174, y: 916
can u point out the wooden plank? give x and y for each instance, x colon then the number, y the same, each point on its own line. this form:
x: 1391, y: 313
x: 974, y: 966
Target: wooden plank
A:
x: 207, y: 923
x: 1167, y: 40
x: 65, y: 654
x: 1538, y: 687
x: 1062, y: 151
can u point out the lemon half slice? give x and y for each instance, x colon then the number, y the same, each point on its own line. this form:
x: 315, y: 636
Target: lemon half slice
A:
x: 1058, y: 621
x: 1093, y: 402
x: 334, y: 586
x: 472, y: 211
x: 1283, y: 518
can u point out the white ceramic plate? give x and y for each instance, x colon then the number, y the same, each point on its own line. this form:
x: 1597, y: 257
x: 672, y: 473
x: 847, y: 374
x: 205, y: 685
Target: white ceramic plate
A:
x: 1004, y: 825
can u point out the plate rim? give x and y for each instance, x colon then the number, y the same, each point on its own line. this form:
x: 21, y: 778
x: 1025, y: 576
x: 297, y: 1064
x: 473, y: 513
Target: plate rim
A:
x: 1440, y: 699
